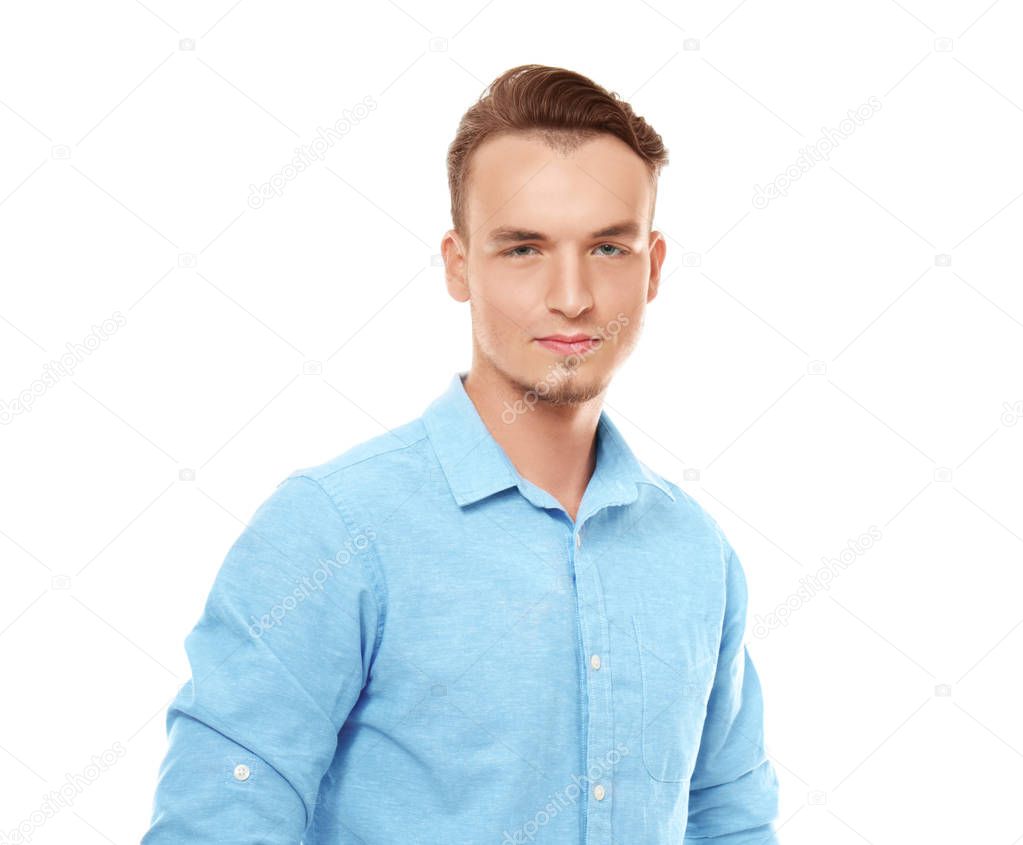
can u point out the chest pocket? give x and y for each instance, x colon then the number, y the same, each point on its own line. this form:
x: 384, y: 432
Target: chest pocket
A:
x: 677, y: 659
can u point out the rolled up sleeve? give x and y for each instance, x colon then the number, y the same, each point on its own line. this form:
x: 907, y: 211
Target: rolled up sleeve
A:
x: 278, y: 659
x: 733, y: 797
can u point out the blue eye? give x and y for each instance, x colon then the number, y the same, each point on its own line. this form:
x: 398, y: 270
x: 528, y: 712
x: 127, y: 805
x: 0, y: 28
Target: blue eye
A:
x: 511, y: 252
x: 612, y: 255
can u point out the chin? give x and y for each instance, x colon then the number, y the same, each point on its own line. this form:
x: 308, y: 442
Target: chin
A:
x: 562, y: 385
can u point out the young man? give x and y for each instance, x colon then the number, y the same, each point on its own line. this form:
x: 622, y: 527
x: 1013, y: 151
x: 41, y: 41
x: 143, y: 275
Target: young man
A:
x: 492, y: 624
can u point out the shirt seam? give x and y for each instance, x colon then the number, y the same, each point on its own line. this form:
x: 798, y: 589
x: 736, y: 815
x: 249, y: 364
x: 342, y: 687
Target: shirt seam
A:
x: 330, y: 472
x: 374, y: 579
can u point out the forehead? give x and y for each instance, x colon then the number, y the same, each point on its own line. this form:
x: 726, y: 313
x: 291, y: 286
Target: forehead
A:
x: 518, y: 179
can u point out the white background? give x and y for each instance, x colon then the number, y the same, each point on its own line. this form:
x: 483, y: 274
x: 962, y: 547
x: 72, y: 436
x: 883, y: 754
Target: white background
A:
x: 811, y: 371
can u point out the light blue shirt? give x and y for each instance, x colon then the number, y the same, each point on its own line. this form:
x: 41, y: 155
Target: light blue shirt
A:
x: 412, y: 643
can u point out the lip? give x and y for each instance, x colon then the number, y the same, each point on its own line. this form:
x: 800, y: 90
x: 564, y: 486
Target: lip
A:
x: 567, y: 344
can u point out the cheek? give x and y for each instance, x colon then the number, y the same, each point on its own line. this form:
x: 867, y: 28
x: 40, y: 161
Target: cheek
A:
x: 505, y: 301
x: 498, y: 317
x: 624, y: 319
x: 623, y: 296
x: 626, y: 280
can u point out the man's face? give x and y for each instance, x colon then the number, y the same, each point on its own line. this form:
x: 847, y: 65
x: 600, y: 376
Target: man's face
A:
x: 559, y: 244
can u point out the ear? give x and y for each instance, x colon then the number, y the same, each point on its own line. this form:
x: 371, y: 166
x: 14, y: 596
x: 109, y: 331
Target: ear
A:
x: 658, y: 249
x: 455, y: 261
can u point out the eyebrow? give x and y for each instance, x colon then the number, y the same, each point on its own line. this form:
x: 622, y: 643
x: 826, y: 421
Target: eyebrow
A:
x: 510, y: 234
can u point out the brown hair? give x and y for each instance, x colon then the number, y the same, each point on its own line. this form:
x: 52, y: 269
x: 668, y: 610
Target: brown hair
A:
x: 560, y: 106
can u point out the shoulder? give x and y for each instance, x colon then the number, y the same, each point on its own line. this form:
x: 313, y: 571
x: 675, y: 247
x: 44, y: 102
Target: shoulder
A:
x: 380, y: 454
x: 373, y: 468
x: 694, y: 519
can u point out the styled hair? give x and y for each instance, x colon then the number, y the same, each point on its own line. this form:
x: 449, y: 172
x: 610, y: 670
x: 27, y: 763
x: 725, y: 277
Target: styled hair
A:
x: 561, y: 107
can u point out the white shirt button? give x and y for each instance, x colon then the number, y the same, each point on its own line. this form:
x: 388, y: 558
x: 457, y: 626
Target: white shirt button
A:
x: 578, y: 540
x: 241, y: 772
x: 598, y: 792
x: 595, y: 661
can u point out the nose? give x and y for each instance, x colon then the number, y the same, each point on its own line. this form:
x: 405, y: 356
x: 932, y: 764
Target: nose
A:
x: 568, y: 289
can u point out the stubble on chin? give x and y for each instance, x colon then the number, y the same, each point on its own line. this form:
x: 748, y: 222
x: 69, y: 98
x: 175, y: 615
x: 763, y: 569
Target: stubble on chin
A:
x: 562, y: 386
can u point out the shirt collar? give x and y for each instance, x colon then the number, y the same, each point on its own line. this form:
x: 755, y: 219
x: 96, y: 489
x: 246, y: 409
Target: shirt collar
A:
x: 476, y: 466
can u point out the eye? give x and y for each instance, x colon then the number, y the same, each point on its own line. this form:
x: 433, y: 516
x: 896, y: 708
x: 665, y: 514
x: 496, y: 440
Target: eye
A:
x: 514, y: 253
x: 511, y: 253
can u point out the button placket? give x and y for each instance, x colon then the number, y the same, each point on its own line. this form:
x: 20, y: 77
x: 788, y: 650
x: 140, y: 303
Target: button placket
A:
x: 600, y: 723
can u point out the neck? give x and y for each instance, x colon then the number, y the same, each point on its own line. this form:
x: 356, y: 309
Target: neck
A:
x: 553, y: 446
